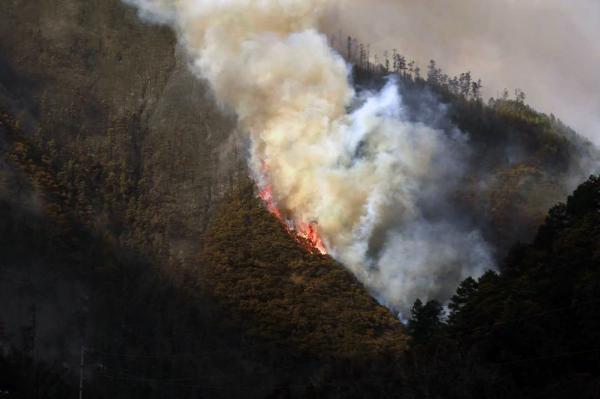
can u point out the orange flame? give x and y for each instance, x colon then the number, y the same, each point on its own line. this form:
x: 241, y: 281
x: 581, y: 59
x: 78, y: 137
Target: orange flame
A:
x: 266, y: 194
x: 309, y: 232
x: 306, y: 231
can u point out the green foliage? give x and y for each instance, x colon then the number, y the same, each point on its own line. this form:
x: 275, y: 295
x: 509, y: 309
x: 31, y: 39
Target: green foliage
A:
x: 464, y: 294
x: 425, y: 321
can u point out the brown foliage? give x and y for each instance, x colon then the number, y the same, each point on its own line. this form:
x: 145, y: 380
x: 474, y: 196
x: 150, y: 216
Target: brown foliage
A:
x: 279, y: 290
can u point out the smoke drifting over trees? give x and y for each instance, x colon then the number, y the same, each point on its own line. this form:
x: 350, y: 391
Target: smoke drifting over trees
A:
x: 373, y: 180
x: 547, y: 48
x: 130, y: 233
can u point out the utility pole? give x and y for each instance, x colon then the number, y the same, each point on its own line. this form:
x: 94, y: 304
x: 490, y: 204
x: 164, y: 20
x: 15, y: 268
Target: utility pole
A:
x: 34, y: 330
x: 82, y: 331
x: 81, y: 367
x: 36, y: 386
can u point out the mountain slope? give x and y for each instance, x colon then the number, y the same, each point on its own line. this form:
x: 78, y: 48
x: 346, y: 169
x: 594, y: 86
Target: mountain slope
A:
x: 113, y: 162
x: 251, y: 263
x: 150, y: 329
x: 520, y: 161
x: 98, y: 82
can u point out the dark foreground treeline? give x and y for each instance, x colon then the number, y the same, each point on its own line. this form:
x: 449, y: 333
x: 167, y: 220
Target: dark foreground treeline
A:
x: 530, y: 330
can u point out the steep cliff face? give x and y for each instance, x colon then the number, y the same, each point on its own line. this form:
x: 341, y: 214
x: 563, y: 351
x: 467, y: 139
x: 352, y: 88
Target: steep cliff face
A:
x: 93, y: 78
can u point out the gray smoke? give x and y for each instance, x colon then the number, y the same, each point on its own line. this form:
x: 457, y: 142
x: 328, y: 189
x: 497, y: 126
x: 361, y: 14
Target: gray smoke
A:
x: 549, y: 48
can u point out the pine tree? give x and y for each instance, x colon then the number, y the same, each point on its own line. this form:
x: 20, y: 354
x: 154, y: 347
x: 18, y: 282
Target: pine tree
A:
x: 426, y: 321
x: 464, y: 293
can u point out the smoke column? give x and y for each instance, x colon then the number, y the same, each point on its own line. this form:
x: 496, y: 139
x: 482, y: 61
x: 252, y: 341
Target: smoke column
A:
x: 373, y: 183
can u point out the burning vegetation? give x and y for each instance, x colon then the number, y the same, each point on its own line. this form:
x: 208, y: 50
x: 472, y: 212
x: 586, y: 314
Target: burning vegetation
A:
x: 305, y: 232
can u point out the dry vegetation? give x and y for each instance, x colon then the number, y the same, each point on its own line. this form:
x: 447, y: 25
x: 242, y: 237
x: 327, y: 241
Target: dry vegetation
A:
x: 281, y: 291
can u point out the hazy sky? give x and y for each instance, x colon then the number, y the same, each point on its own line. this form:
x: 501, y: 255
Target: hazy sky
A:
x: 549, y: 48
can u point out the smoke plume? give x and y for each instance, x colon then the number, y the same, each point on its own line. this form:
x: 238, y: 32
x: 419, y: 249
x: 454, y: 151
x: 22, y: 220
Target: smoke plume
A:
x: 373, y: 181
x: 549, y: 48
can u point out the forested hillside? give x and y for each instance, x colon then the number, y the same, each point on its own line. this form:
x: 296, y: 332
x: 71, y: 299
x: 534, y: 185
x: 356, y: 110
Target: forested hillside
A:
x: 103, y: 88
x: 129, y: 231
x: 254, y: 306
x: 280, y: 289
x: 521, y: 161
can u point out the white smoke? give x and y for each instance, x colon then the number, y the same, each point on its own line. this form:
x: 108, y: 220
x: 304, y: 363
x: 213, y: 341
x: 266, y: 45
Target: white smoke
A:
x: 376, y: 183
